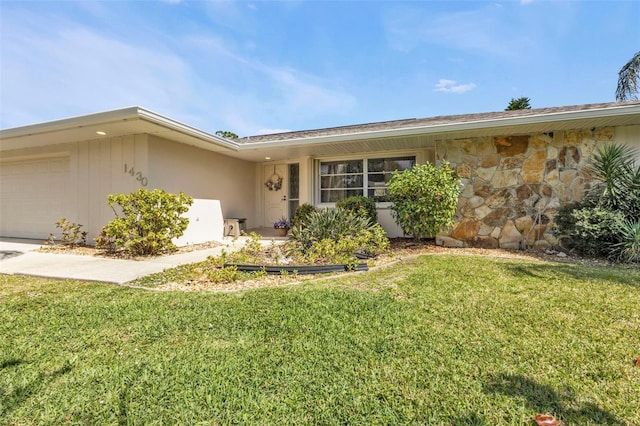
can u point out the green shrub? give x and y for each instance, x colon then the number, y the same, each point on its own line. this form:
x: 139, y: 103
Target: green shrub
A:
x: 424, y: 199
x: 360, y: 206
x: 592, y: 231
x: 606, y: 222
x: 149, y: 220
x: 71, y: 234
x: 334, y: 236
x: 302, y: 214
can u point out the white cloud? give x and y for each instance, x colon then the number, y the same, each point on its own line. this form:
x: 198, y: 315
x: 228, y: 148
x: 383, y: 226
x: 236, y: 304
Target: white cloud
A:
x: 451, y: 86
x: 54, y: 68
x: 485, y: 30
x: 526, y: 1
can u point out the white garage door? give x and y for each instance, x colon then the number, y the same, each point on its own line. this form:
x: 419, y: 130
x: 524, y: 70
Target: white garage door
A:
x: 33, y: 196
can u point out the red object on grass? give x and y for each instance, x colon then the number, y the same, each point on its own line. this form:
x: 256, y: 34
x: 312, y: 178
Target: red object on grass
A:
x: 545, y: 420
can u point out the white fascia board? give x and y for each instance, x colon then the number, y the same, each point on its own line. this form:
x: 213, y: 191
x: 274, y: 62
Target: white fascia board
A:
x: 121, y: 114
x: 115, y: 116
x: 453, y: 127
x: 177, y: 126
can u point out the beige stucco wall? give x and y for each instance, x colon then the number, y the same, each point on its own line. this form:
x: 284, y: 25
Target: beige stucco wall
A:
x: 513, y: 185
x: 203, y: 174
x: 96, y: 169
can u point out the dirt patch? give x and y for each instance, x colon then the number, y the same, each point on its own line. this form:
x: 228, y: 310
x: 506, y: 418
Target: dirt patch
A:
x: 405, y: 246
x: 92, y: 251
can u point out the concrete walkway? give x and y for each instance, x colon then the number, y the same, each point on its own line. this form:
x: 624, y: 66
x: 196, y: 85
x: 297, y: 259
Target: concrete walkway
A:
x: 20, y: 257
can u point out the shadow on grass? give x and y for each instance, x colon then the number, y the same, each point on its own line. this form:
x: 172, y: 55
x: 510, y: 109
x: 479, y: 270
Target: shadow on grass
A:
x: 124, y: 397
x: 622, y: 275
x: 19, y: 394
x: 544, y: 399
x: 11, y: 362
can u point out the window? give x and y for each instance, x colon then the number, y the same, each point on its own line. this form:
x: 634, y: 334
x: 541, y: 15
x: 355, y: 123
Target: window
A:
x: 294, y: 188
x: 368, y: 177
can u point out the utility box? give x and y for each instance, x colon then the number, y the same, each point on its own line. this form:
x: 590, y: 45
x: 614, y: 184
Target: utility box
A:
x: 233, y: 226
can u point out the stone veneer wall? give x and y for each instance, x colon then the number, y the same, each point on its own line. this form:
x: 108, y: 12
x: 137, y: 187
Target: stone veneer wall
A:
x: 513, y: 185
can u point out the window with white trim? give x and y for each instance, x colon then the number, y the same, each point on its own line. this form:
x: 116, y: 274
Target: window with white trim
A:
x: 367, y: 177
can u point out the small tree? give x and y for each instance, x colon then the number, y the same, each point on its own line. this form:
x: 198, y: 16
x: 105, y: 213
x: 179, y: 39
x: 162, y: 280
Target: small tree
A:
x: 424, y: 198
x: 147, y: 224
x: 519, y: 103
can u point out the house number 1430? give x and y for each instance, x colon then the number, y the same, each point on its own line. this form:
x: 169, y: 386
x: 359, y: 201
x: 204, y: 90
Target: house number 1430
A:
x: 137, y: 175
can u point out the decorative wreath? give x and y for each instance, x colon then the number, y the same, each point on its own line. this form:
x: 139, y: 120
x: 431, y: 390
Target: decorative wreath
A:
x: 274, y: 183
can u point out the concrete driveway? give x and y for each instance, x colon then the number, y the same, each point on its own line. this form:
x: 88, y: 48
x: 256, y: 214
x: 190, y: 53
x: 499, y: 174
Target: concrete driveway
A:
x: 20, y: 257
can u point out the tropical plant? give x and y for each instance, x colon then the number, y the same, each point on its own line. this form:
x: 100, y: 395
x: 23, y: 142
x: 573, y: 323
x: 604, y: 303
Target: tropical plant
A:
x: 360, y: 206
x: 615, y: 167
x: 628, y: 77
x: 629, y: 245
x: 349, y: 232
x: 424, y: 198
x: 149, y: 220
x: 518, y: 103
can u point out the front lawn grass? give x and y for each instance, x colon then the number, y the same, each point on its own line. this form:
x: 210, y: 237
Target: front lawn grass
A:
x: 442, y: 340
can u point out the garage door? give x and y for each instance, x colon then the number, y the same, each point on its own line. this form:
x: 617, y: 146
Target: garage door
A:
x: 33, y: 196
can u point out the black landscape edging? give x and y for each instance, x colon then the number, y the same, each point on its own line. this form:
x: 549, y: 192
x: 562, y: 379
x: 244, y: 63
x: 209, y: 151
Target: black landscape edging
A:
x: 298, y: 269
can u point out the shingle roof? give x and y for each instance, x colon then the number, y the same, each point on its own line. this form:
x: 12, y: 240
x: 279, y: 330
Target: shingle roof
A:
x: 426, y: 122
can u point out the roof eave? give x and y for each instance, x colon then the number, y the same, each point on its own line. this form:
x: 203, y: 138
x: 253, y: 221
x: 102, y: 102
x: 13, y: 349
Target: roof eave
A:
x: 451, y: 127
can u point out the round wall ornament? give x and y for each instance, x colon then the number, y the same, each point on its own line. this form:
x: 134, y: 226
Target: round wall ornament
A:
x: 274, y: 183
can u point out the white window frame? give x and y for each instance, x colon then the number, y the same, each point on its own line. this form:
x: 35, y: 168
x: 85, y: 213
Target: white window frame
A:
x: 365, y: 173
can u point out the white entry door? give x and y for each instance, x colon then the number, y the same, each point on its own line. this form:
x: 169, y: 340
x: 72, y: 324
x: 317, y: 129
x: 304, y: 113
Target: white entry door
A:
x: 275, y: 199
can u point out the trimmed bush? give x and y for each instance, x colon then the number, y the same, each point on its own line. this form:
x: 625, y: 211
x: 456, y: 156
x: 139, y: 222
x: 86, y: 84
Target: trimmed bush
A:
x: 360, y: 206
x: 302, y: 213
x: 424, y: 199
x: 149, y: 220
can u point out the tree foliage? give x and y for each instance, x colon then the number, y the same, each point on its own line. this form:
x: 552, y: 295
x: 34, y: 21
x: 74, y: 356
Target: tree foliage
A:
x: 226, y: 134
x: 147, y: 222
x: 519, y: 103
x: 628, y: 77
x: 424, y: 198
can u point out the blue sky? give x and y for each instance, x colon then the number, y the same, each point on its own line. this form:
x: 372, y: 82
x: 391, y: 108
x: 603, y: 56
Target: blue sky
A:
x: 265, y: 66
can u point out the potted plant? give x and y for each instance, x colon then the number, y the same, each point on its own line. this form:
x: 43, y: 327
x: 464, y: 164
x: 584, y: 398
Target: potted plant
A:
x: 282, y: 226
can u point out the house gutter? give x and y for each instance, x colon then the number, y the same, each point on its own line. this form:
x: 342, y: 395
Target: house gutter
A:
x: 117, y: 116
x: 448, y: 128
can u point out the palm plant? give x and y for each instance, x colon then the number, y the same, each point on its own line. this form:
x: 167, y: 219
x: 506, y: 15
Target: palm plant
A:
x: 614, y: 165
x: 628, y: 79
x: 629, y: 245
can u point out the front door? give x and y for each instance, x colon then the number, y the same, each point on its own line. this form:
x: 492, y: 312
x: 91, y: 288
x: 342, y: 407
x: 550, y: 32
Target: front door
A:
x: 275, y: 193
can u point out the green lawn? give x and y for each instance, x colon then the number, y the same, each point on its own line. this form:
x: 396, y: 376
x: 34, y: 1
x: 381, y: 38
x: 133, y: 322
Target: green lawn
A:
x: 437, y: 340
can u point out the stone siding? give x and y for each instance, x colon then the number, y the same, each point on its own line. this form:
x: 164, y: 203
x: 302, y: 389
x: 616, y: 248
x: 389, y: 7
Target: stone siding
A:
x: 513, y: 185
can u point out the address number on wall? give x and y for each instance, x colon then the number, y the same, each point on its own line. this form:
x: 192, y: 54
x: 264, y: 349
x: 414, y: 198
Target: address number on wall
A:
x: 137, y: 175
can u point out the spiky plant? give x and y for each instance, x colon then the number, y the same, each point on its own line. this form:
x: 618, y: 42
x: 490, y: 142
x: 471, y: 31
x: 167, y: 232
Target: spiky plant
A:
x: 614, y: 165
x: 629, y: 246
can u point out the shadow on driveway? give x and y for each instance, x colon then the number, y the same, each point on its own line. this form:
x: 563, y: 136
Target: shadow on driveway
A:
x: 8, y: 254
